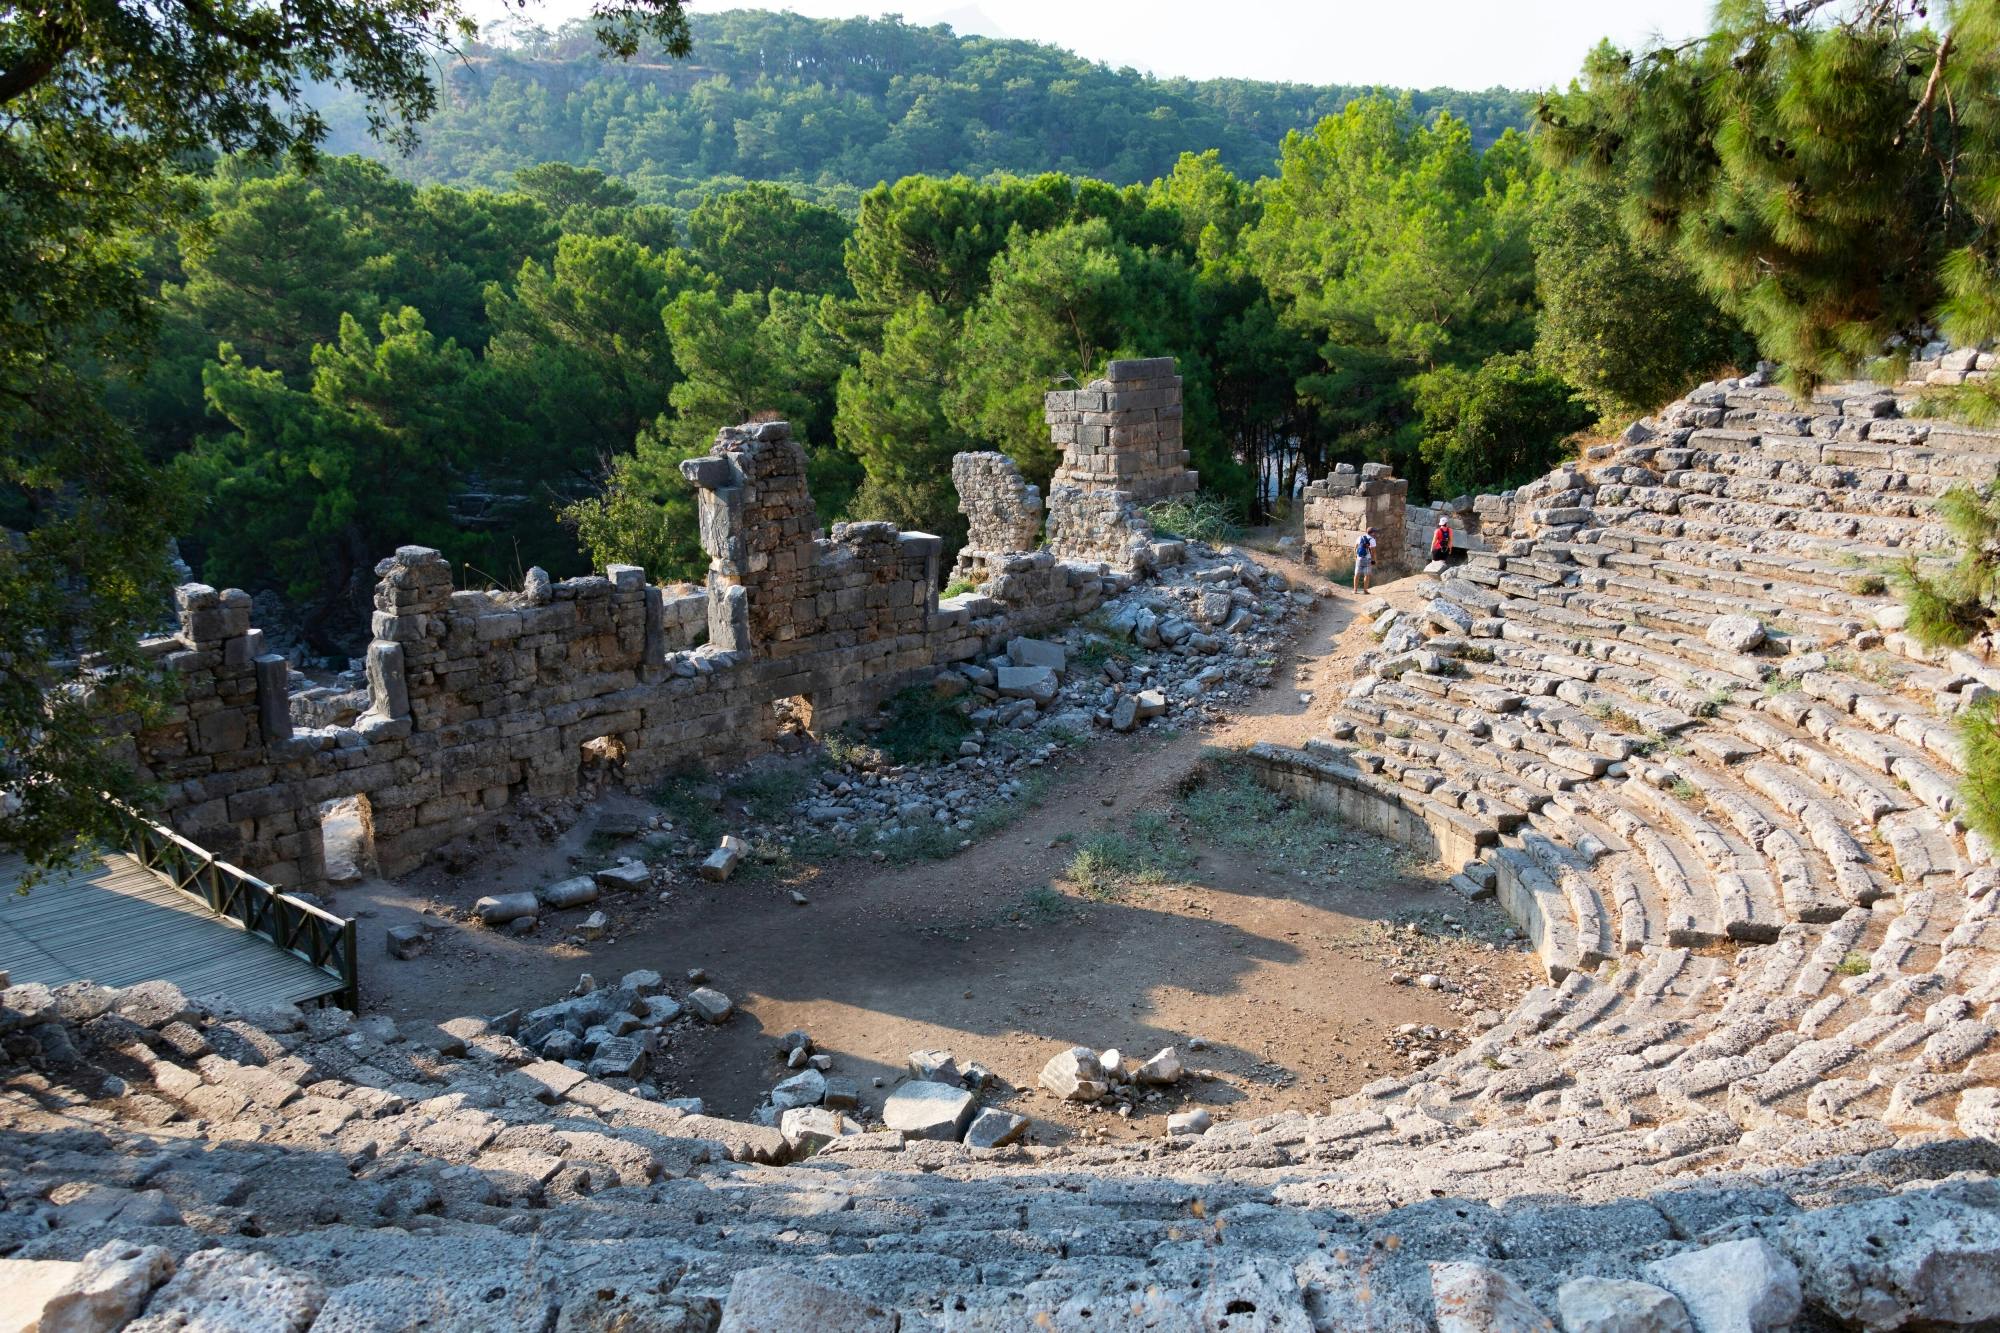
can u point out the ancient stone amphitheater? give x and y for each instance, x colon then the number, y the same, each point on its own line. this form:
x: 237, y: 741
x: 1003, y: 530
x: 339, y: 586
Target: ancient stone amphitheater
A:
x: 1666, y: 714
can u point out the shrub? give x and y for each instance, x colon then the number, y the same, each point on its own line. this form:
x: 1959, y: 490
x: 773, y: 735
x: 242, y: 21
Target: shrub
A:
x: 922, y: 728
x: 1979, y: 790
x: 1198, y: 518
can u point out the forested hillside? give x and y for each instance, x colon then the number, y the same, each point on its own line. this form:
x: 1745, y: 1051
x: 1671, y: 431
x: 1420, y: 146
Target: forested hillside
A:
x: 841, y: 104
x: 293, y: 361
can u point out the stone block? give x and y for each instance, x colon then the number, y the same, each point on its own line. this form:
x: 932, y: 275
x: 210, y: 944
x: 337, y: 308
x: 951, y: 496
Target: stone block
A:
x: 924, y: 1110
x: 499, y: 909
x: 575, y: 891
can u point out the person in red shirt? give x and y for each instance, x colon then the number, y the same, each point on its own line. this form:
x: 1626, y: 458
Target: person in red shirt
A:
x: 1443, y: 541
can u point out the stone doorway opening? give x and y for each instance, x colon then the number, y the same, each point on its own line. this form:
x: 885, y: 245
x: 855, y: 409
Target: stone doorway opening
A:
x: 600, y: 762
x: 791, y: 723
x: 347, y: 839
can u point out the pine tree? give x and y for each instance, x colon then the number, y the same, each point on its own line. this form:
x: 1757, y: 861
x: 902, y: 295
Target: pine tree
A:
x: 1830, y: 171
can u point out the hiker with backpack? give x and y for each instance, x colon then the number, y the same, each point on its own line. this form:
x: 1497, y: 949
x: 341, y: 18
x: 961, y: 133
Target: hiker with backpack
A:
x: 1364, y: 560
x: 1443, y: 541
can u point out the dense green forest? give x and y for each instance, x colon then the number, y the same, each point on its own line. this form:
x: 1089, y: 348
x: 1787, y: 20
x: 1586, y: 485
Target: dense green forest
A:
x: 293, y: 361
x: 838, y: 105
x: 342, y: 359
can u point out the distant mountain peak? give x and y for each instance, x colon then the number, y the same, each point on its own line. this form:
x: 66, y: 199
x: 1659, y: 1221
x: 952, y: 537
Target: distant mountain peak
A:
x: 967, y: 21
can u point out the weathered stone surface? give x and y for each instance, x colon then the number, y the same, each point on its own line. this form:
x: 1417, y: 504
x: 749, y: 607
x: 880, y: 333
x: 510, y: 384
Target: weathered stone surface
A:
x: 1735, y: 633
x: 807, y: 1088
x: 232, y: 1291
x: 1472, y: 1298
x: 1742, y: 1284
x: 1618, y: 1305
x: 1074, y: 1075
x: 993, y: 1127
x: 1161, y: 1068
x: 109, y: 1289
x: 929, y: 1110
x: 710, y: 1005
x: 1914, y: 1260
x: 498, y: 909
x: 775, y: 1300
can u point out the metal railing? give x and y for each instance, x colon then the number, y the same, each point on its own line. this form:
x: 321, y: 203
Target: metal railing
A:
x: 294, y: 925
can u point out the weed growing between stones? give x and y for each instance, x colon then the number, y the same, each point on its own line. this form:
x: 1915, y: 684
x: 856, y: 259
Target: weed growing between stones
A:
x: 1854, y: 965
x: 689, y: 798
x: 1225, y: 806
x: 919, y: 728
x: 1198, y: 517
x: 958, y: 588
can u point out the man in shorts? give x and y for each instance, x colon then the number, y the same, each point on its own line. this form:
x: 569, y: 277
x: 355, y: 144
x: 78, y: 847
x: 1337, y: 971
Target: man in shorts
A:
x: 1364, y: 560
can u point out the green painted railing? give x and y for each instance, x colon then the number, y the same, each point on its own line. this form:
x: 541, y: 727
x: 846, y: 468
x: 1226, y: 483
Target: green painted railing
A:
x: 294, y: 925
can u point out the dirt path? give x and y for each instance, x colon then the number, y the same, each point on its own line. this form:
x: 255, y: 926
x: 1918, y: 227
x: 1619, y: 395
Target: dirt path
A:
x: 993, y: 955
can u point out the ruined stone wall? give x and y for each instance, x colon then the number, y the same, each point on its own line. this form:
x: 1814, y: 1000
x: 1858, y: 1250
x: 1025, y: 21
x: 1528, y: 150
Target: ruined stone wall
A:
x: 1121, y: 443
x: 1342, y: 505
x: 1003, y: 513
x: 481, y: 698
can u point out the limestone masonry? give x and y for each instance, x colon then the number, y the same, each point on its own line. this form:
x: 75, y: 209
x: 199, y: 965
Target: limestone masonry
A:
x: 478, y: 698
x: 1668, y: 716
x: 1121, y: 442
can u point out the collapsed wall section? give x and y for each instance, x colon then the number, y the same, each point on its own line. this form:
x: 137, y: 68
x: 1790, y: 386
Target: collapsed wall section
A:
x: 1122, y: 450
x: 1342, y: 505
x: 481, y: 698
x: 1003, y: 513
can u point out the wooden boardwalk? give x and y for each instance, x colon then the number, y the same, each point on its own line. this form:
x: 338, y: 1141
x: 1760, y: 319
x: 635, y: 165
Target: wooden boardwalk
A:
x: 115, y: 922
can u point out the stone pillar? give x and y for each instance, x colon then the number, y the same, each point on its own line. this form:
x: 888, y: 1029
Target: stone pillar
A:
x: 274, y: 710
x: 1121, y: 440
x: 1346, y: 503
x: 1123, y: 432
x: 1003, y: 514
x: 758, y: 527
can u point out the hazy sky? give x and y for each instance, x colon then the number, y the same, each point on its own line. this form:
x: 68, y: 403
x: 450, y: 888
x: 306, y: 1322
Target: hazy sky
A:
x: 1409, y: 43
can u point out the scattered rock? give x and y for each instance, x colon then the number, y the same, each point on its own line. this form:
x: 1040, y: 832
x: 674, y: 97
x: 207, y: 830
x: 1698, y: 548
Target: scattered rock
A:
x: 722, y: 862
x: 1074, y: 1075
x: 807, y: 1129
x: 806, y: 1088
x: 934, y: 1067
x: 1615, y: 1305
x: 407, y: 942
x: 1735, y: 633
x: 501, y: 908
x: 1196, y: 1121
x: 1472, y: 1298
x: 709, y: 1005
x: 567, y: 893
x: 1743, y: 1284
x: 627, y: 877
x: 1164, y: 1067
x: 925, y: 1110
x: 992, y: 1128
